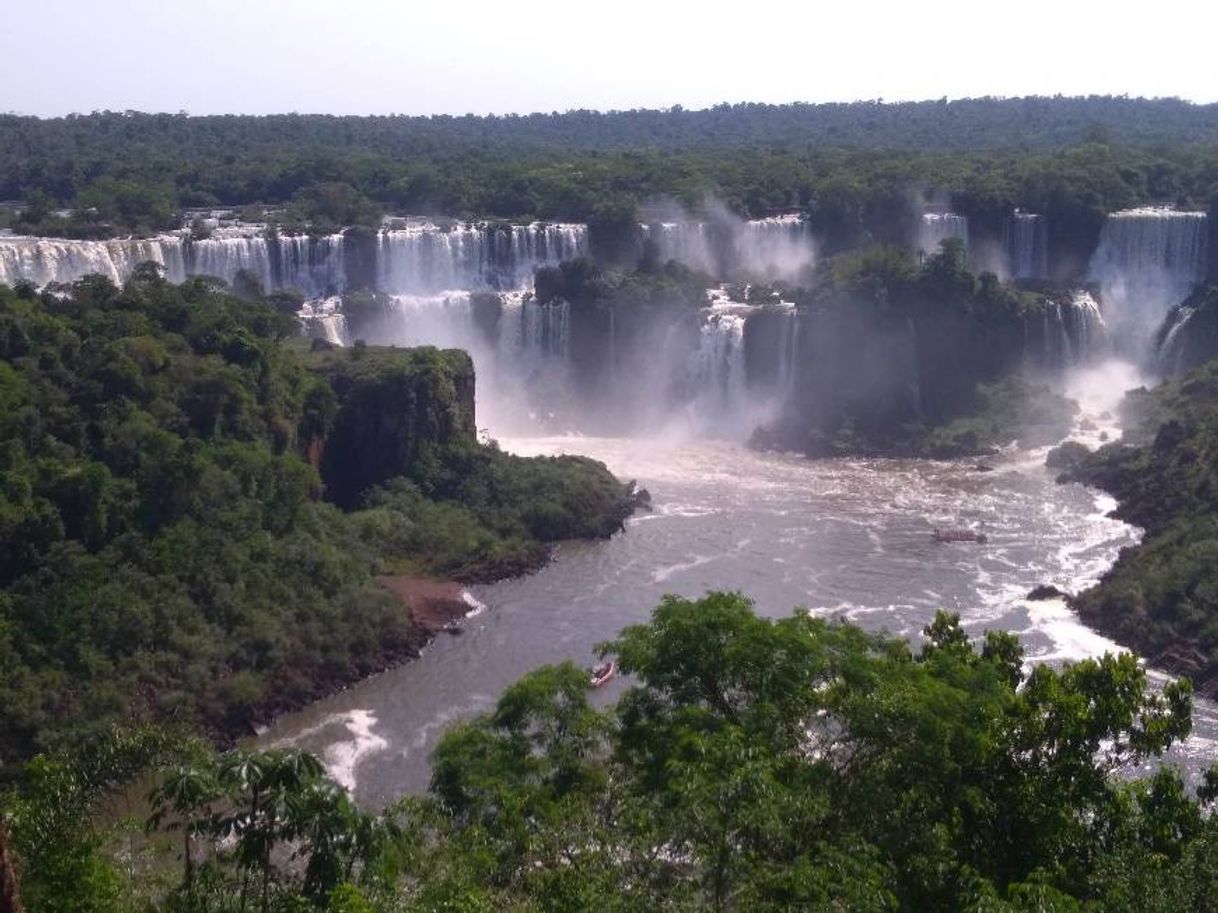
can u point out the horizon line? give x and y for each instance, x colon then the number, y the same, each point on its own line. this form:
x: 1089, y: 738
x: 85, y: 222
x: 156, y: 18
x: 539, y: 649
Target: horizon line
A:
x: 606, y: 112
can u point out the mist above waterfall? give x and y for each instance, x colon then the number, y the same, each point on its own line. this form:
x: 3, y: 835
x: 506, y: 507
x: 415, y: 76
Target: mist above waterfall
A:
x: 720, y: 243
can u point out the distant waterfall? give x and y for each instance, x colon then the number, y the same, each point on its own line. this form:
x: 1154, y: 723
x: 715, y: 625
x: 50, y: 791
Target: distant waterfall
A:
x: 533, y: 336
x: 1027, y: 243
x: 717, y: 374
x: 937, y: 227
x: 689, y: 243
x: 324, y: 319
x: 788, y: 354
x: 779, y: 247
x: 1172, y: 349
x: 230, y: 251
x: 1147, y: 261
x: 419, y: 259
x: 45, y: 260
x: 424, y: 258
x: 1069, y: 333
x: 311, y: 265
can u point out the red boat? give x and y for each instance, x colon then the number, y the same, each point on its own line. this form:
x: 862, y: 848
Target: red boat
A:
x: 602, y: 674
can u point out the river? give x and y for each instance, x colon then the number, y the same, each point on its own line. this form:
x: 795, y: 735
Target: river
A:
x: 848, y: 538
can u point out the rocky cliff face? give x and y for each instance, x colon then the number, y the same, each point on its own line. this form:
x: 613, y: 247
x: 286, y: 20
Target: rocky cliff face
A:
x: 392, y: 404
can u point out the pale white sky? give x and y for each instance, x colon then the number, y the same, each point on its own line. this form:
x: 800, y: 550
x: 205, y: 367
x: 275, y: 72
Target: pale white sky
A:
x: 458, y: 56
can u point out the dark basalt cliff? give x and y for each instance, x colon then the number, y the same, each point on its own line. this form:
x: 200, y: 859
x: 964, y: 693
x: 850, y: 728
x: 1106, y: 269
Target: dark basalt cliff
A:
x: 390, y: 405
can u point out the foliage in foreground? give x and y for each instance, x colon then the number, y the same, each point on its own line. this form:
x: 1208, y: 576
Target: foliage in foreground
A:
x: 753, y: 764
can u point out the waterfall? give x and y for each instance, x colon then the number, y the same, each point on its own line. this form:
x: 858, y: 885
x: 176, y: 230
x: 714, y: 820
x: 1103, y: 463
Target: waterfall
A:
x: 1147, y: 261
x: 689, y: 243
x: 313, y: 266
x: 788, y: 354
x: 229, y: 251
x: 46, y: 260
x: 937, y: 227
x: 323, y: 318
x: 1058, y: 348
x: 423, y: 258
x: 779, y: 247
x: 1091, y: 333
x: 533, y: 336
x: 419, y: 259
x: 1171, y: 350
x: 1027, y: 243
x: 1071, y: 332
x: 717, y: 377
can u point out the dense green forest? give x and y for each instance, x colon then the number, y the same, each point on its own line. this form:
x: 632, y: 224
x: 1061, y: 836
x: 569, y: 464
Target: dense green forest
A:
x: 1161, y: 598
x: 193, y: 508
x: 752, y: 765
x: 851, y: 167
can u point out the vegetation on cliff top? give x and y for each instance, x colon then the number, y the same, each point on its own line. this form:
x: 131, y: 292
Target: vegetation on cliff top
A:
x: 167, y: 550
x: 752, y: 765
x: 1161, y: 597
x: 914, y: 359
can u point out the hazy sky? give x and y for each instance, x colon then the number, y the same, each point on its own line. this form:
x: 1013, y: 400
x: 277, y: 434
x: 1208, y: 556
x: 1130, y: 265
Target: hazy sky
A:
x: 457, y: 56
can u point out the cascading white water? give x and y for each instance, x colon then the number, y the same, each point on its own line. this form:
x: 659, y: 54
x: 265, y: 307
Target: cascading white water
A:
x: 937, y: 227
x: 1091, y: 334
x: 688, y: 243
x: 423, y: 258
x: 788, y: 354
x: 1147, y: 261
x: 1073, y: 332
x: 229, y: 251
x: 313, y: 266
x: 323, y: 318
x: 1027, y: 245
x: 46, y: 260
x: 717, y: 374
x: 1171, y: 350
x: 780, y: 247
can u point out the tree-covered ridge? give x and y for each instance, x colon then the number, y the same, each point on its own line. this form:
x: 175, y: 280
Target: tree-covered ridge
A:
x: 850, y: 166
x: 169, y: 543
x: 1019, y: 123
x: 1161, y: 598
x: 752, y: 764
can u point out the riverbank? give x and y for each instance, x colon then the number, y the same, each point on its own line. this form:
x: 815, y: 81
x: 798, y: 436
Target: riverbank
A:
x: 1160, y: 598
x: 433, y: 606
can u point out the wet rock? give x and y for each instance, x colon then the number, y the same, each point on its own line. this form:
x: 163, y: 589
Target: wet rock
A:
x: 1068, y: 457
x: 1046, y: 591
